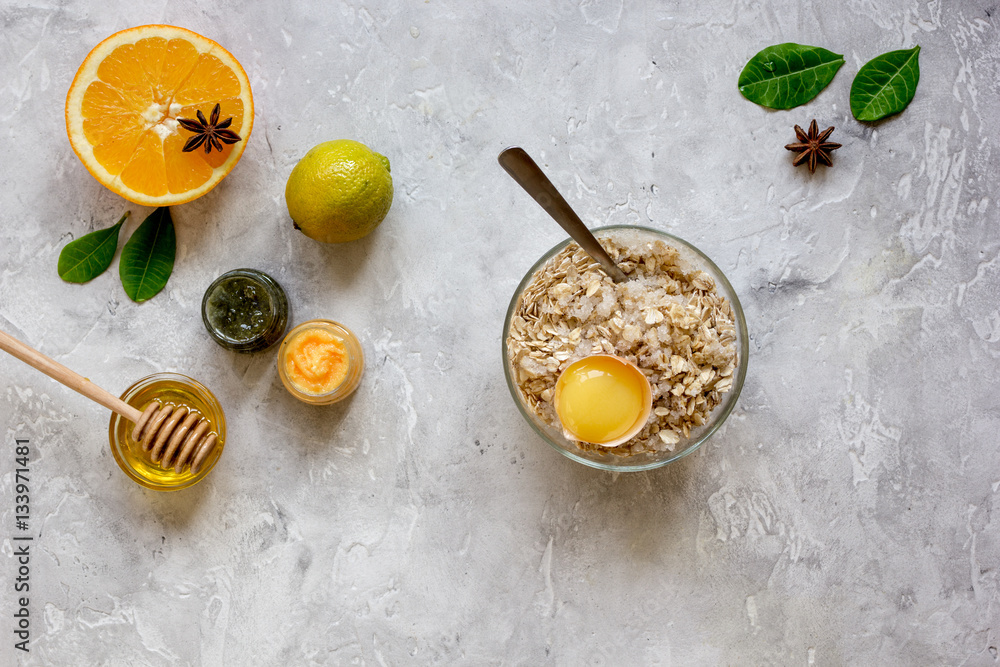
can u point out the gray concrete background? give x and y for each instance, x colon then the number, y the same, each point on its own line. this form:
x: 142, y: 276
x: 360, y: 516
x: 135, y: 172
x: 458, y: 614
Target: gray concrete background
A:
x: 843, y: 515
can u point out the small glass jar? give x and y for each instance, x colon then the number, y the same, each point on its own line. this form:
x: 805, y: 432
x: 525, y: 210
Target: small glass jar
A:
x: 245, y: 310
x: 354, y: 356
x: 166, y: 388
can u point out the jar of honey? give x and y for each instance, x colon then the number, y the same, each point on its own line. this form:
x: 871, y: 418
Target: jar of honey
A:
x: 167, y: 389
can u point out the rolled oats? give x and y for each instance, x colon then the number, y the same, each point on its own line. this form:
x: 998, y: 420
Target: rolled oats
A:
x: 669, y: 321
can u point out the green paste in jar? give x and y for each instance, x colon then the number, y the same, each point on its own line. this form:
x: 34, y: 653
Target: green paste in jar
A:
x: 245, y: 310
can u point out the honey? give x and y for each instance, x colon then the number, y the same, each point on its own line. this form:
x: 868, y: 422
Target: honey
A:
x: 168, y: 389
x: 601, y: 399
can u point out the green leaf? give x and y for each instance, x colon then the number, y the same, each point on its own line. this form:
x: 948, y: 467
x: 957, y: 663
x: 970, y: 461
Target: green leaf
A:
x: 784, y: 76
x: 90, y: 255
x: 885, y: 84
x: 148, y: 257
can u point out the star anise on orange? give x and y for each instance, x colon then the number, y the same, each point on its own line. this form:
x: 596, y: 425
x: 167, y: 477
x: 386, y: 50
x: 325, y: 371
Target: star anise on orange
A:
x: 813, y: 147
x: 209, y: 132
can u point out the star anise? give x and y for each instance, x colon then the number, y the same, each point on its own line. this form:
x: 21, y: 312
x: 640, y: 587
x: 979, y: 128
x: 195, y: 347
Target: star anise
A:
x: 209, y: 132
x: 813, y: 147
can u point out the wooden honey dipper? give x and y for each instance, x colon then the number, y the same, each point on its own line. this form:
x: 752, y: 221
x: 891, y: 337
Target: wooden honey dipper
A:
x: 170, y: 435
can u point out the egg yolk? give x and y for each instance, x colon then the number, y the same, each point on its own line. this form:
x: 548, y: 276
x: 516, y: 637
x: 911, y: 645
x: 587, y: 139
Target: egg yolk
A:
x: 316, y: 361
x: 598, y: 399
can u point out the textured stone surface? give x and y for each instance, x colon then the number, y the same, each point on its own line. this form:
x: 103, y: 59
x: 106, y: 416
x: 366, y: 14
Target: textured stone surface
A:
x: 843, y: 516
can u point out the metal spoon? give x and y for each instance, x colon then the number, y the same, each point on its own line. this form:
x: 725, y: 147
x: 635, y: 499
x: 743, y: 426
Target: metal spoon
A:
x: 529, y: 176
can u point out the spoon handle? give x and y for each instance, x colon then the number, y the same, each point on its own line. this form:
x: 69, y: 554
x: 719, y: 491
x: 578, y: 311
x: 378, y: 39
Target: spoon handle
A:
x: 529, y: 176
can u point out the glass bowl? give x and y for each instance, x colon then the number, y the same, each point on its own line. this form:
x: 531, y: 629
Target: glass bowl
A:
x: 642, y: 461
x: 171, y: 388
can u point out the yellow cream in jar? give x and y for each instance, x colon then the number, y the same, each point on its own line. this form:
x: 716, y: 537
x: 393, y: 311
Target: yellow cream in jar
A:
x: 316, y: 361
x: 321, y: 362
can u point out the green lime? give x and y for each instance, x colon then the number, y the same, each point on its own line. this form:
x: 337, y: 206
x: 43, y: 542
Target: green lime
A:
x: 340, y: 191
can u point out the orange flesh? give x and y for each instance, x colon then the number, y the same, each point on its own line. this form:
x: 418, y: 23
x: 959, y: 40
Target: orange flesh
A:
x: 126, y: 117
x: 120, y: 108
x: 316, y: 361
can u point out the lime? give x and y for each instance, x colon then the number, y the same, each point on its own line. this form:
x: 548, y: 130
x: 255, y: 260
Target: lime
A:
x: 340, y: 191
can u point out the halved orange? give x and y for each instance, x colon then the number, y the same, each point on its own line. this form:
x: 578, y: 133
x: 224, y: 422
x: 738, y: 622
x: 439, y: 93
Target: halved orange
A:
x: 123, y: 106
